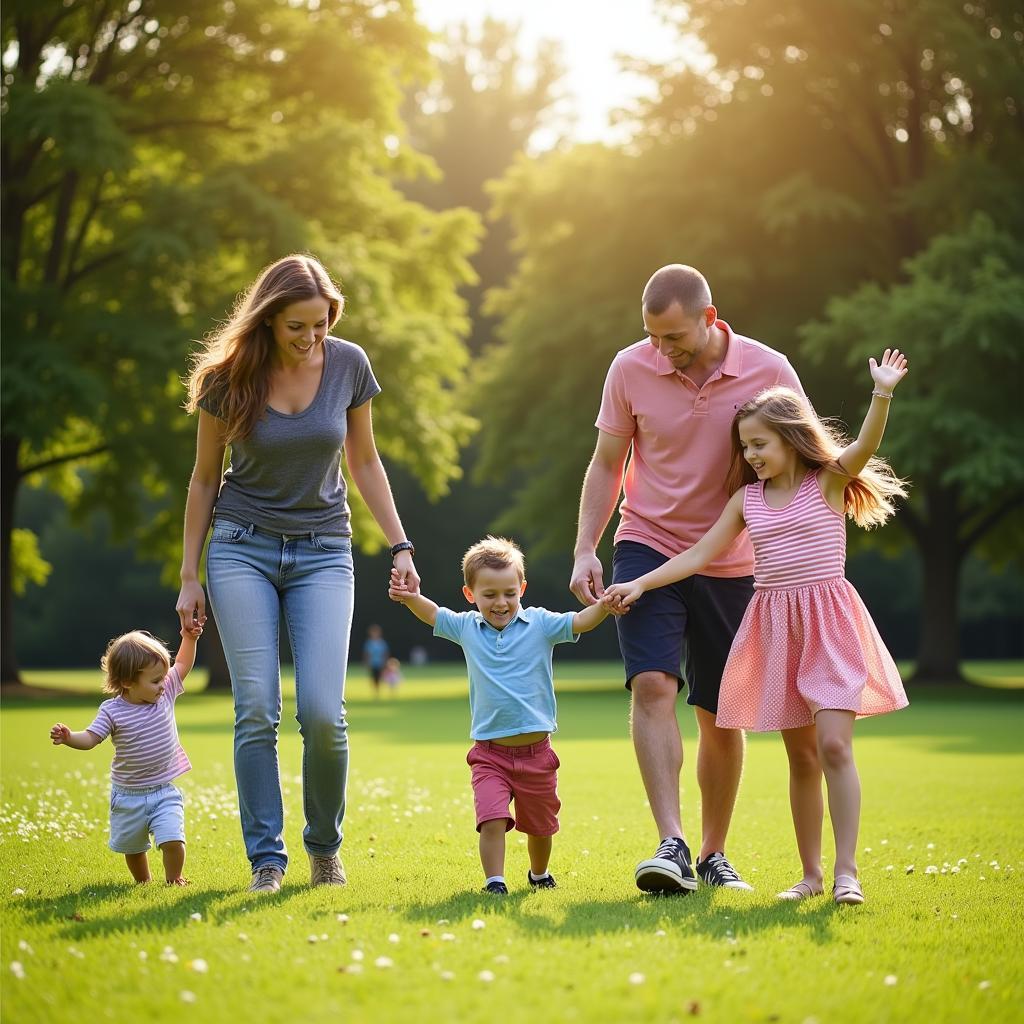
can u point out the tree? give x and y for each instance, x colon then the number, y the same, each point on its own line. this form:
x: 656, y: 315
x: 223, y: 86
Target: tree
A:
x: 155, y: 153
x: 956, y: 431
x: 816, y: 149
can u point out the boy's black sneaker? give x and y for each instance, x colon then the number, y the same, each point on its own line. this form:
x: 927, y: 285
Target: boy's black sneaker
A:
x: 547, y: 882
x: 714, y: 869
x: 496, y: 888
x: 668, y: 870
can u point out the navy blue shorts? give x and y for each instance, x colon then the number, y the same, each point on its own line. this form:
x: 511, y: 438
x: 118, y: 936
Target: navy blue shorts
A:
x: 685, y: 629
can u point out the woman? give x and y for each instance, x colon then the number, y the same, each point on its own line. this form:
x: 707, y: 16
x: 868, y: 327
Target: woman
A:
x: 288, y: 399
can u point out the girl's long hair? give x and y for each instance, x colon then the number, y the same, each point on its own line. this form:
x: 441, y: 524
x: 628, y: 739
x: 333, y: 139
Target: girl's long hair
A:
x: 869, y: 498
x: 233, y: 370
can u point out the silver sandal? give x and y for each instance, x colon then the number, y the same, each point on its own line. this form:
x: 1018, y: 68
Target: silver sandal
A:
x: 800, y: 891
x: 847, y: 890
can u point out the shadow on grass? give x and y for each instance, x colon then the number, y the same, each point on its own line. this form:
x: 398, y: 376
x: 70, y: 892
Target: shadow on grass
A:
x: 99, y: 910
x: 702, y: 912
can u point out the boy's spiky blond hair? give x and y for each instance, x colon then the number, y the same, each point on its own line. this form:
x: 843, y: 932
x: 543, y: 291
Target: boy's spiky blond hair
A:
x: 492, y: 553
x: 127, y: 655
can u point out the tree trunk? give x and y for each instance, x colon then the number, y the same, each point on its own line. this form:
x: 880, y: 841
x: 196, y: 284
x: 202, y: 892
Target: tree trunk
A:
x: 938, y: 659
x: 9, y: 675
x: 213, y: 658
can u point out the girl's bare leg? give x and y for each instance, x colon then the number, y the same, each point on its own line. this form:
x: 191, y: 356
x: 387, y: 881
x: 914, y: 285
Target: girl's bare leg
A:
x: 805, y: 800
x: 835, y: 751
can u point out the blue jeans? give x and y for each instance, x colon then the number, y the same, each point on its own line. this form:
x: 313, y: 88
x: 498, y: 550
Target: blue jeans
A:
x: 251, y: 576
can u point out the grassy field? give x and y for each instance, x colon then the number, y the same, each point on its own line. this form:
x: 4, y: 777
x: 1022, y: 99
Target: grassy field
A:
x: 411, y: 938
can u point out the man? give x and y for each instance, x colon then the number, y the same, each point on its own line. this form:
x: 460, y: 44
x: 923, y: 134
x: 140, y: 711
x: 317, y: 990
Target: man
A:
x: 670, y: 398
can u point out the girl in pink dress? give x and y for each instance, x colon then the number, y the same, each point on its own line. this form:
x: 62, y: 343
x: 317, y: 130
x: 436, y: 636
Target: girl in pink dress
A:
x: 807, y: 659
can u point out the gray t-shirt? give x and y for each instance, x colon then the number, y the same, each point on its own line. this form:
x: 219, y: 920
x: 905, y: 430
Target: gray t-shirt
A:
x: 286, y: 475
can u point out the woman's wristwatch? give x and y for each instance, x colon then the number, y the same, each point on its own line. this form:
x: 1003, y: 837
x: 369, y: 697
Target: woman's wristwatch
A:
x: 404, y: 545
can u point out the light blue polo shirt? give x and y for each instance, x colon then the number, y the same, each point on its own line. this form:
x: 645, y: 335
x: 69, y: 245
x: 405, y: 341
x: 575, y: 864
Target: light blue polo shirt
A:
x: 511, y: 681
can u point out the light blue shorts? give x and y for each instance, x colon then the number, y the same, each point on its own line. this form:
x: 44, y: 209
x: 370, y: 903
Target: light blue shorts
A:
x: 137, y: 812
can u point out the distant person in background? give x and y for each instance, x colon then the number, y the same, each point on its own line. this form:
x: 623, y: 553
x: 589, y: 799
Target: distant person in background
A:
x: 391, y: 676
x: 375, y: 655
x: 289, y: 400
x: 139, y: 719
x: 667, y: 407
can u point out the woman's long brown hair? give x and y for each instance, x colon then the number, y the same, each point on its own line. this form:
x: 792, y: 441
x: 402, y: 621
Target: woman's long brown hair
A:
x: 233, y: 370
x: 869, y: 498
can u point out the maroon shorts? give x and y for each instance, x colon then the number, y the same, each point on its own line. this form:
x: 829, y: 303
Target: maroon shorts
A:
x: 526, y: 774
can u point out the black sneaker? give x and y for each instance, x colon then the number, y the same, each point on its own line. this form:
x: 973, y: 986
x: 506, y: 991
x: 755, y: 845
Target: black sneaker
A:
x: 668, y: 870
x: 547, y: 882
x: 714, y: 869
x: 496, y: 888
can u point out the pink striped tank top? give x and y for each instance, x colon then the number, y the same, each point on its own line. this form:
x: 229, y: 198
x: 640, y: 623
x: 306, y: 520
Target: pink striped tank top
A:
x: 799, y: 544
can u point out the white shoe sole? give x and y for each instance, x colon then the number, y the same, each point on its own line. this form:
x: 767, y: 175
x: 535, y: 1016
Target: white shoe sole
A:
x: 662, y: 876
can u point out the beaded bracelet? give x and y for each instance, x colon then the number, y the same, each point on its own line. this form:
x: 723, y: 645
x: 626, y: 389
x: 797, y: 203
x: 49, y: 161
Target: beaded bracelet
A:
x: 881, y: 394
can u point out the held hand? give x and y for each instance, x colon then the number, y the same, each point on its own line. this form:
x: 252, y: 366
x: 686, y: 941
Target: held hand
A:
x: 191, y: 606
x: 890, y: 371
x: 59, y: 734
x: 587, y: 581
x: 195, y: 631
x: 622, y: 595
x: 403, y: 565
x: 400, y: 590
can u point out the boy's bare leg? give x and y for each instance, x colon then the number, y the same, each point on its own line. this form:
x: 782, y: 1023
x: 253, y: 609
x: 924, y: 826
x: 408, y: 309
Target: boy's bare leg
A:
x: 539, y: 848
x: 174, y: 860
x: 138, y: 865
x: 492, y: 846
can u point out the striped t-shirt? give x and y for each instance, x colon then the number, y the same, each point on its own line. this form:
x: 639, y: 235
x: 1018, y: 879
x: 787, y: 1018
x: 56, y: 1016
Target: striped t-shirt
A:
x: 145, y: 737
x: 801, y: 543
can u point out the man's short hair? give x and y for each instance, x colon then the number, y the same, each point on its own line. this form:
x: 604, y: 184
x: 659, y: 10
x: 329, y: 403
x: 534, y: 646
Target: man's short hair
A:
x: 492, y: 553
x: 677, y: 283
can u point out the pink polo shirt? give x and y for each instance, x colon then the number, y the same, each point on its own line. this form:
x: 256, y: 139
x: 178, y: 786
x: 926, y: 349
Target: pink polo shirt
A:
x: 674, y: 483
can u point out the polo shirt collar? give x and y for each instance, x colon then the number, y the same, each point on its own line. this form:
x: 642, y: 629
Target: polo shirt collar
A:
x: 731, y: 364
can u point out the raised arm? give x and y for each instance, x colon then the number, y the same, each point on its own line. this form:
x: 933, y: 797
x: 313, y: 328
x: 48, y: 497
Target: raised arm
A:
x: 203, y: 489
x: 62, y: 736
x: 885, y: 375
x: 691, y: 561
x: 186, y: 656
x: 602, y: 486
x: 368, y: 474
x: 422, y: 607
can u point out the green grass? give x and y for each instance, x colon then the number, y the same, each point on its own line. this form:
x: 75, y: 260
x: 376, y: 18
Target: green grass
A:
x: 943, y: 787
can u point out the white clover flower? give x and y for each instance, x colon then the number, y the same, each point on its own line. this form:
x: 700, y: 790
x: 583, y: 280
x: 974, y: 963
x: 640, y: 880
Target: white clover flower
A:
x: 478, y: 925
x: 486, y: 976
x: 636, y: 978
x: 199, y: 965
x: 384, y: 961
x: 187, y: 997
x: 891, y: 979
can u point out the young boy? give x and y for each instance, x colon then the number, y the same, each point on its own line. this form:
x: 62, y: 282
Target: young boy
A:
x: 139, y: 719
x: 508, y: 652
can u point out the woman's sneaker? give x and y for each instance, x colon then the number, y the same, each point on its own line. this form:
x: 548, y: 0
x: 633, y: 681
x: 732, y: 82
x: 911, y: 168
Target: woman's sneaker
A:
x: 496, y: 888
x: 266, y: 879
x: 668, y: 870
x: 714, y: 869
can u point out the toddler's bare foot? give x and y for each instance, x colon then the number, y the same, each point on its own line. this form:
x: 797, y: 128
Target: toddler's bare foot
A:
x: 177, y: 881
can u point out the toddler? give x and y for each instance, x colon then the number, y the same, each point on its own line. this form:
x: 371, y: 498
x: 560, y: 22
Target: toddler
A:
x: 139, y: 719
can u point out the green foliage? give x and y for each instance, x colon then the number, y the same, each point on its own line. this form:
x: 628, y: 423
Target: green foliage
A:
x: 155, y: 155
x: 28, y: 564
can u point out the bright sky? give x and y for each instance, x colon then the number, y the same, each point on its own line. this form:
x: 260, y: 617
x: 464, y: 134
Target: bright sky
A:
x: 591, y: 34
